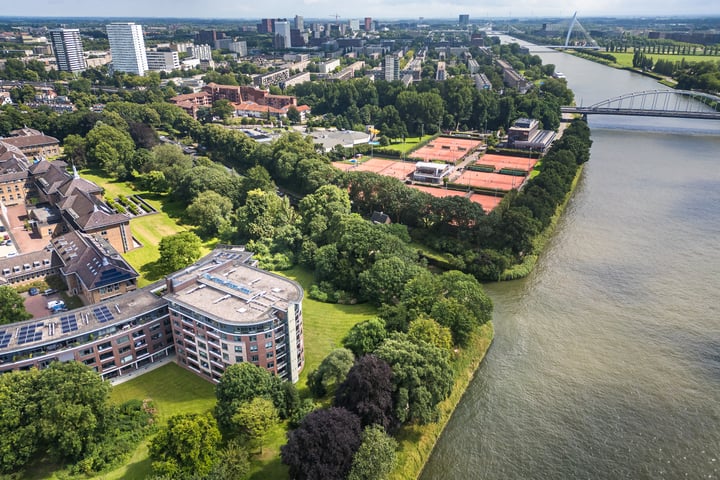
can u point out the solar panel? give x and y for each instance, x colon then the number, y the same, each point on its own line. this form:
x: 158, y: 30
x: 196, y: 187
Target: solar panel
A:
x: 103, y: 314
x: 68, y: 323
x: 28, y: 333
x: 4, y: 338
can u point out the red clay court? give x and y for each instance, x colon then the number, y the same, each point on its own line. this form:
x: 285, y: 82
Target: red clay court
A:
x: 445, y: 149
x: 388, y: 168
x: 439, y: 192
x: 524, y: 164
x: 487, y: 180
x: 488, y: 202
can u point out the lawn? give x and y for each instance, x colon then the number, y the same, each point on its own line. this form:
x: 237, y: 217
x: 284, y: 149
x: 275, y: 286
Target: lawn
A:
x: 149, y: 229
x: 624, y: 59
x: 409, y: 144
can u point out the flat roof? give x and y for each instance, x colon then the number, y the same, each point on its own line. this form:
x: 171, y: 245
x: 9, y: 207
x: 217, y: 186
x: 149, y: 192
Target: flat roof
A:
x: 232, y: 291
x: 65, y: 325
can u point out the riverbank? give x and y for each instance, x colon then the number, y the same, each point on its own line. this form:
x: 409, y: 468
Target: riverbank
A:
x: 416, y: 442
x: 667, y: 81
x: 524, y: 269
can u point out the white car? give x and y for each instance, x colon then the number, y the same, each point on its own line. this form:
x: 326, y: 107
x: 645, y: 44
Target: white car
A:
x: 55, y: 304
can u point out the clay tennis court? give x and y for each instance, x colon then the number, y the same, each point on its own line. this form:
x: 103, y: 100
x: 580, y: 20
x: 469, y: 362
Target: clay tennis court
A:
x: 446, y: 149
x: 503, y: 161
x: 388, y: 168
x: 439, y: 192
x: 488, y: 202
x: 489, y: 180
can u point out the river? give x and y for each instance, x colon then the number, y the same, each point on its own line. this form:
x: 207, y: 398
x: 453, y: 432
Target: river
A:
x: 606, y: 359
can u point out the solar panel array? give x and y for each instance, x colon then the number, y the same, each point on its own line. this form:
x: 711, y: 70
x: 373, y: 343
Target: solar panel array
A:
x: 30, y: 333
x: 103, y: 314
x: 68, y: 323
x: 4, y: 338
x: 227, y: 283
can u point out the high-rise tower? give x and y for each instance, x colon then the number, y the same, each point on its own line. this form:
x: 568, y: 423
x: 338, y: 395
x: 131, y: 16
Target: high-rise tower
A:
x: 68, y: 49
x: 127, y: 47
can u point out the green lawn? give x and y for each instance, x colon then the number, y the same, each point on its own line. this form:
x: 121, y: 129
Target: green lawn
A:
x: 150, y: 229
x: 325, y: 324
x: 624, y: 59
x: 409, y: 144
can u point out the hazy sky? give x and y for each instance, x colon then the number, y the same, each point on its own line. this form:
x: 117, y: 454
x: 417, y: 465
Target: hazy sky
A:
x: 327, y: 9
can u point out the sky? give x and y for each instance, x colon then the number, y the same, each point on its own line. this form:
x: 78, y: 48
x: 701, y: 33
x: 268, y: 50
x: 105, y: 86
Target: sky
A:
x: 377, y: 9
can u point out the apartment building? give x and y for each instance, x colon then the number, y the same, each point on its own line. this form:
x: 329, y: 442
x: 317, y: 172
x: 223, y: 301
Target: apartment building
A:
x: 68, y: 49
x: 127, y: 46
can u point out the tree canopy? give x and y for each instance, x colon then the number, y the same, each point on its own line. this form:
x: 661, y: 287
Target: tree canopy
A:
x: 12, y: 307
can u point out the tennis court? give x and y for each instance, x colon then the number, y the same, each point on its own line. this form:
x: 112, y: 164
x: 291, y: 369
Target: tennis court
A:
x: 488, y: 202
x: 439, y: 192
x: 446, y: 149
x: 388, y: 168
x: 524, y: 164
x: 487, y: 180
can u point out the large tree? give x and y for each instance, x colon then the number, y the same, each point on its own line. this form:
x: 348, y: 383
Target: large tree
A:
x: 376, y: 456
x: 210, y: 211
x: 322, y: 447
x: 178, y: 251
x: 254, y: 419
x: 187, y: 445
x: 331, y: 371
x: 368, y: 392
x: 12, y: 308
x: 364, y: 337
x: 422, y: 377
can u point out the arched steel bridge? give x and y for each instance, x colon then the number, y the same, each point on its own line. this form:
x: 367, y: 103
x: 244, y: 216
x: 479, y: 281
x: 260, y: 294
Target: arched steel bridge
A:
x: 655, y: 103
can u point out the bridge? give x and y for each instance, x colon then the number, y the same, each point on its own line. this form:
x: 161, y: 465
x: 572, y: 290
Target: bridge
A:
x: 655, y: 103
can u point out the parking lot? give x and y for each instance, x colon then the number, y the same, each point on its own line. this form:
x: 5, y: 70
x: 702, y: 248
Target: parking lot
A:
x: 37, y: 304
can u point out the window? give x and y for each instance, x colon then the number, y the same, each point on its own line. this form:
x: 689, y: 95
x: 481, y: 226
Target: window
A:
x: 271, y: 365
x: 253, y: 338
x: 269, y: 355
x: 254, y: 358
x: 268, y: 345
x: 123, y: 339
x: 268, y: 334
x: 253, y: 348
x: 238, y: 348
x: 224, y: 346
x: 238, y: 359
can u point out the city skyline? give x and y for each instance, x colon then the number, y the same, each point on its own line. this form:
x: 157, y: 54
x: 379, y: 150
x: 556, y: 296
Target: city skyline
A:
x: 380, y: 9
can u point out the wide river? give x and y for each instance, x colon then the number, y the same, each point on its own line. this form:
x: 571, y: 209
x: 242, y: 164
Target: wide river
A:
x: 606, y: 359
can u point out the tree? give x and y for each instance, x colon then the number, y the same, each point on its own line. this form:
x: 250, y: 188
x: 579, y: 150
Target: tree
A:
x: 429, y: 331
x: 331, y: 371
x: 233, y: 463
x: 375, y: 457
x: 385, y: 279
x: 364, y: 337
x: 422, y: 377
x: 293, y: 115
x: 18, y: 431
x: 254, y: 419
x: 223, y: 109
x: 322, y: 447
x: 110, y: 148
x: 178, y: 251
x: 210, y: 211
x: 12, y: 308
x: 187, y: 445
x: 368, y: 392
x: 242, y: 382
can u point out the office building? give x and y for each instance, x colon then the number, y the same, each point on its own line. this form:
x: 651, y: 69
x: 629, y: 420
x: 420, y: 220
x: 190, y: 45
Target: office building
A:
x: 368, y: 24
x: 68, y: 49
x: 299, y: 23
x: 207, y: 37
x: 354, y: 24
x: 282, y: 37
x: 391, y: 68
x: 464, y: 20
x: 163, y: 61
x: 266, y: 25
x: 127, y: 47
x: 239, y: 47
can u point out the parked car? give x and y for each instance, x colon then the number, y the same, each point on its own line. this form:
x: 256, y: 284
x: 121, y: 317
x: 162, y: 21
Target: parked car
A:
x: 49, y: 291
x: 55, y: 304
x: 2, y: 228
x: 33, y: 291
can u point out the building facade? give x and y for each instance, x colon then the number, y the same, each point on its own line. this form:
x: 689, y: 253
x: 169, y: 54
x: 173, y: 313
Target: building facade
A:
x: 391, y: 68
x: 163, y: 61
x: 282, y: 39
x: 220, y: 311
x: 127, y: 47
x: 68, y: 49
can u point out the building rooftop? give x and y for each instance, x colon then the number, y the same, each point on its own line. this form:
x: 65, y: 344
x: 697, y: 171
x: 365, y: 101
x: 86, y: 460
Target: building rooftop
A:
x: 100, y: 317
x: 225, y: 286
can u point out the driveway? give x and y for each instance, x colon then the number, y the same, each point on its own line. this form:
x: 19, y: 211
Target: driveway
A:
x: 37, y: 304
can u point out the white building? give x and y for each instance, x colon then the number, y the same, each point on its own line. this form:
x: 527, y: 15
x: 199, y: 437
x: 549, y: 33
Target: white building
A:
x: 391, y: 68
x: 299, y: 23
x: 354, y: 24
x: 201, y: 52
x: 282, y: 34
x: 329, y: 66
x: 163, y: 61
x: 127, y: 47
x: 68, y: 49
x: 238, y: 47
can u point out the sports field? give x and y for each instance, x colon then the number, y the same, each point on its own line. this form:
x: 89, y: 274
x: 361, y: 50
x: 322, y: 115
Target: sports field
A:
x: 381, y: 166
x: 488, y: 202
x: 496, y: 181
x: 446, y: 149
x: 504, y: 161
x: 439, y: 192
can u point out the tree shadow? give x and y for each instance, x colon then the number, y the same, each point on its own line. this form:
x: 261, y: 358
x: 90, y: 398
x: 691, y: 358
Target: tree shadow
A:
x: 152, y: 271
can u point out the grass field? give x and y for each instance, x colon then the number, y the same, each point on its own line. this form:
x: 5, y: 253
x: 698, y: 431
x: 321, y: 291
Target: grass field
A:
x: 409, y: 144
x: 624, y: 59
x: 150, y: 229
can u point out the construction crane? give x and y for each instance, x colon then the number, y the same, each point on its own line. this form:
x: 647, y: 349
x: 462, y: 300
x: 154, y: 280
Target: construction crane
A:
x: 336, y: 16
